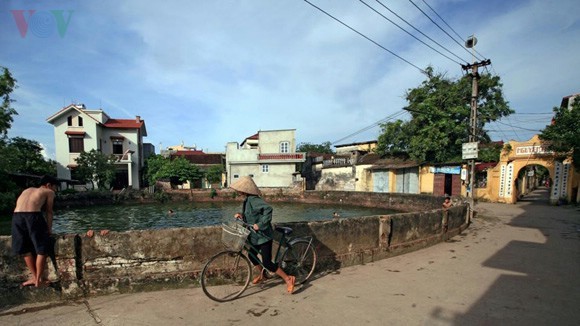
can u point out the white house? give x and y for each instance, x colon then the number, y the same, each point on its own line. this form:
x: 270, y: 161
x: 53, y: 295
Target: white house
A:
x: 78, y: 129
x: 269, y: 157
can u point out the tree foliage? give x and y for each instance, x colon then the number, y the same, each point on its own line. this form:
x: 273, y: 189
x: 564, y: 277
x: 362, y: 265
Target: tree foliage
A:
x: 8, y: 189
x: 96, y: 167
x: 178, y: 170
x: 25, y: 156
x: 323, y: 148
x: 7, y: 85
x: 214, y: 174
x: 440, y: 113
x: 563, y: 135
x: 152, y: 165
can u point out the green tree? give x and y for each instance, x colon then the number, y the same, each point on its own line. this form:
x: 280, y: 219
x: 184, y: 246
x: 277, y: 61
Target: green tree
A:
x: 214, y: 174
x: 394, y: 139
x: 94, y: 166
x: 325, y: 147
x: 8, y: 189
x: 178, y: 170
x: 563, y: 135
x: 152, y: 166
x: 7, y: 85
x: 490, y: 152
x: 440, y: 113
x: 25, y: 156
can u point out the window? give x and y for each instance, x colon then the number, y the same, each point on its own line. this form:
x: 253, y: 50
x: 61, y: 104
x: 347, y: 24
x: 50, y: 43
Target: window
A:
x: 117, y: 146
x: 69, y: 121
x: 236, y: 176
x: 76, y: 144
x: 284, y: 147
x: 265, y: 168
x: 80, y: 121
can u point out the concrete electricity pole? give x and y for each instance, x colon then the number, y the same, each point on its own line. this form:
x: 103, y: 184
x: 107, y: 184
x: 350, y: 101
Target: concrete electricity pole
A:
x: 470, y: 43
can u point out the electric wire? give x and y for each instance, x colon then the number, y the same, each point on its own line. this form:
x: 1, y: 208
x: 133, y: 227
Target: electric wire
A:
x: 410, y: 34
x: 375, y: 124
x: 444, y: 31
x: 451, y: 28
x: 418, y: 30
x: 366, y: 37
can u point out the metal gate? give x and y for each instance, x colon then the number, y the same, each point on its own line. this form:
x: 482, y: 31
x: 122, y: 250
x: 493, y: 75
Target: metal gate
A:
x: 381, y: 181
x: 407, y: 180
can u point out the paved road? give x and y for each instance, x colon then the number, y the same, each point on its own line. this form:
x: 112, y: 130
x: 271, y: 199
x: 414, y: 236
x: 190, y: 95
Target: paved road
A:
x: 515, y: 265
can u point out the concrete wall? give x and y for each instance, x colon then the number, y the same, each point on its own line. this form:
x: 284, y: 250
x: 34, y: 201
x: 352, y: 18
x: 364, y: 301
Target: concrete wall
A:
x: 151, y: 260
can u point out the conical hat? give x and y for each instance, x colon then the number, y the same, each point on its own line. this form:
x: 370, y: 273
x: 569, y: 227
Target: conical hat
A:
x: 246, y: 185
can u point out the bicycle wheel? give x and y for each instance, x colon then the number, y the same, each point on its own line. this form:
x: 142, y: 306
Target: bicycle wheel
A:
x: 226, y: 275
x: 299, y: 260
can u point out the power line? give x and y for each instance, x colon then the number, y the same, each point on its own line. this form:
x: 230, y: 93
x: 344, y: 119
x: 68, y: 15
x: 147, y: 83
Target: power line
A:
x: 443, y: 20
x: 401, y: 18
x: 404, y: 30
x: 391, y: 117
x: 366, y: 37
x: 444, y: 31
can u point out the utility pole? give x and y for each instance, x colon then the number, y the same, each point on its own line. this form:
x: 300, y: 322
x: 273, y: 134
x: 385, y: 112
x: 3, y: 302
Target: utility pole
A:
x: 470, y: 43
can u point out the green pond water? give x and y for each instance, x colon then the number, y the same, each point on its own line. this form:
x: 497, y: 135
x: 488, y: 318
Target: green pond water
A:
x: 157, y: 216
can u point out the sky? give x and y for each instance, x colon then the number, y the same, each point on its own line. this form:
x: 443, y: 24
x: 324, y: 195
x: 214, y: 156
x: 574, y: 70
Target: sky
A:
x: 205, y: 73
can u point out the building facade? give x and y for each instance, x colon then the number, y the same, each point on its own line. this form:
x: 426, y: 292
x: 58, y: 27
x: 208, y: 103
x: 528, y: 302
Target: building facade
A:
x: 269, y: 157
x: 78, y: 129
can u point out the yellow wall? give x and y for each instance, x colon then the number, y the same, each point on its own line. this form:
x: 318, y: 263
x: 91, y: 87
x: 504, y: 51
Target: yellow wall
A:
x: 518, y: 155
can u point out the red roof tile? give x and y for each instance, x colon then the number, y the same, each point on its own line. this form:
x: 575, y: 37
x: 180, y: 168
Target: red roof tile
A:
x: 124, y: 123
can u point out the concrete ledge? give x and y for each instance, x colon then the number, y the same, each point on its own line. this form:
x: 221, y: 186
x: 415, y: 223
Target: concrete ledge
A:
x: 173, y: 258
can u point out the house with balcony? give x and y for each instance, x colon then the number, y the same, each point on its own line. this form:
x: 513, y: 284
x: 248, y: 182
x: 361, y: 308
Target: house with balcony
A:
x: 269, y: 157
x: 78, y: 129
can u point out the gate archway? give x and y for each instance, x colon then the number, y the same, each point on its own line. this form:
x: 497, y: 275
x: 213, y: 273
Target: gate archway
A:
x: 519, y: 155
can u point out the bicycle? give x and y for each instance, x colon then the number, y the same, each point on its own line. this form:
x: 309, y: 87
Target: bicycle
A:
x: 228, y: 273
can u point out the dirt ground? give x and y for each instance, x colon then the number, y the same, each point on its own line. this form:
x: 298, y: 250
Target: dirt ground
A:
x: 515, y: 265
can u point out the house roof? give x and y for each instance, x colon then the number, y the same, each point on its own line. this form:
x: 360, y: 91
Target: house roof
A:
x: 124, y: 123
x: 136, y: 123
x: 199, y: 157
x: 67, y: 109
x: 484, y: 166
x: 393, y: 163
x: 369, y: 158
x: 359, y: 143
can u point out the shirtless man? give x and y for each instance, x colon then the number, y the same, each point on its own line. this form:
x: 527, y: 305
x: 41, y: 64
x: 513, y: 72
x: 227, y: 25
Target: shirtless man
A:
x: 30, y: 229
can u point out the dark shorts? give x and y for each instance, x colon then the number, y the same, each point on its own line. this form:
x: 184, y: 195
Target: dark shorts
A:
x: 30, y: 233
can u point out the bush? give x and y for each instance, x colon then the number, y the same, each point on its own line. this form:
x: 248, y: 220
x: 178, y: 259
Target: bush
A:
x: 162, y: 197
x: 213, y: 193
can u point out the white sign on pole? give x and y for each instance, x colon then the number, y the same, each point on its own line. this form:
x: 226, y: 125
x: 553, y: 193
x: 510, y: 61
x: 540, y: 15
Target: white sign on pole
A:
x: 469, y: 150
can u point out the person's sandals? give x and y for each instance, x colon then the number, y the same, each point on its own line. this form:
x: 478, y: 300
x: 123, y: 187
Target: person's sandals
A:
x: 291, y: 285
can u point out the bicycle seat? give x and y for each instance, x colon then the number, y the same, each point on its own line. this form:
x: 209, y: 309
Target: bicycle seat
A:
x: 284, y: 229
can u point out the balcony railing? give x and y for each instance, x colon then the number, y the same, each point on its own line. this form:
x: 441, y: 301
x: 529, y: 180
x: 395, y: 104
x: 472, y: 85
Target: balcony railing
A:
x: 338, y: 161
x: 125, y: 157
x: 290, y: 157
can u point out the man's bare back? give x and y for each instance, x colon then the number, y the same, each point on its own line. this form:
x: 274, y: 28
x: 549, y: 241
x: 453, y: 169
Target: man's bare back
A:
x: 33, y: 200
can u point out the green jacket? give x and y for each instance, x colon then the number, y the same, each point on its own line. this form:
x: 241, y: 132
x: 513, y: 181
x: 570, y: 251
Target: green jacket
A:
x: 256, y: 211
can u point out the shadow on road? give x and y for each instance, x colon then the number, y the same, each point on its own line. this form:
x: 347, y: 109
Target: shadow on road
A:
x: 540, y: 284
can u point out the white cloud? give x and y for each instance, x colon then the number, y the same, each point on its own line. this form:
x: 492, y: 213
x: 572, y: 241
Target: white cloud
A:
x: 213, y: 72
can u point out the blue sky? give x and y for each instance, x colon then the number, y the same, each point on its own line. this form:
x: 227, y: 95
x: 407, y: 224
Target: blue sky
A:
x: 209, y: 72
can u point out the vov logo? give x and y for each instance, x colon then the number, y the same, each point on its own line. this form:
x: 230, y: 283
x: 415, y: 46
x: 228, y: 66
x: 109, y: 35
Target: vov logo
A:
x: 42, y: 23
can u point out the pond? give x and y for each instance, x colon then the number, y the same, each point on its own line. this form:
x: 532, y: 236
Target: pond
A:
x: 187, y: 214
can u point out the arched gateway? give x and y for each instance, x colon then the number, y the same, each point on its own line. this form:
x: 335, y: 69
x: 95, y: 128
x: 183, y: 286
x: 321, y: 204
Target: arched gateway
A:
x: 508, y: 181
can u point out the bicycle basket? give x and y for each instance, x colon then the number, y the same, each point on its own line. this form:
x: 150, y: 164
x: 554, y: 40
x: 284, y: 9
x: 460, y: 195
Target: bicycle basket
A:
x: 234, y: 236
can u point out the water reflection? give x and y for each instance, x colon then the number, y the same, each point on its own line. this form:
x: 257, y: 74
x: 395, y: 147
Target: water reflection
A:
x: 158, y: 216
